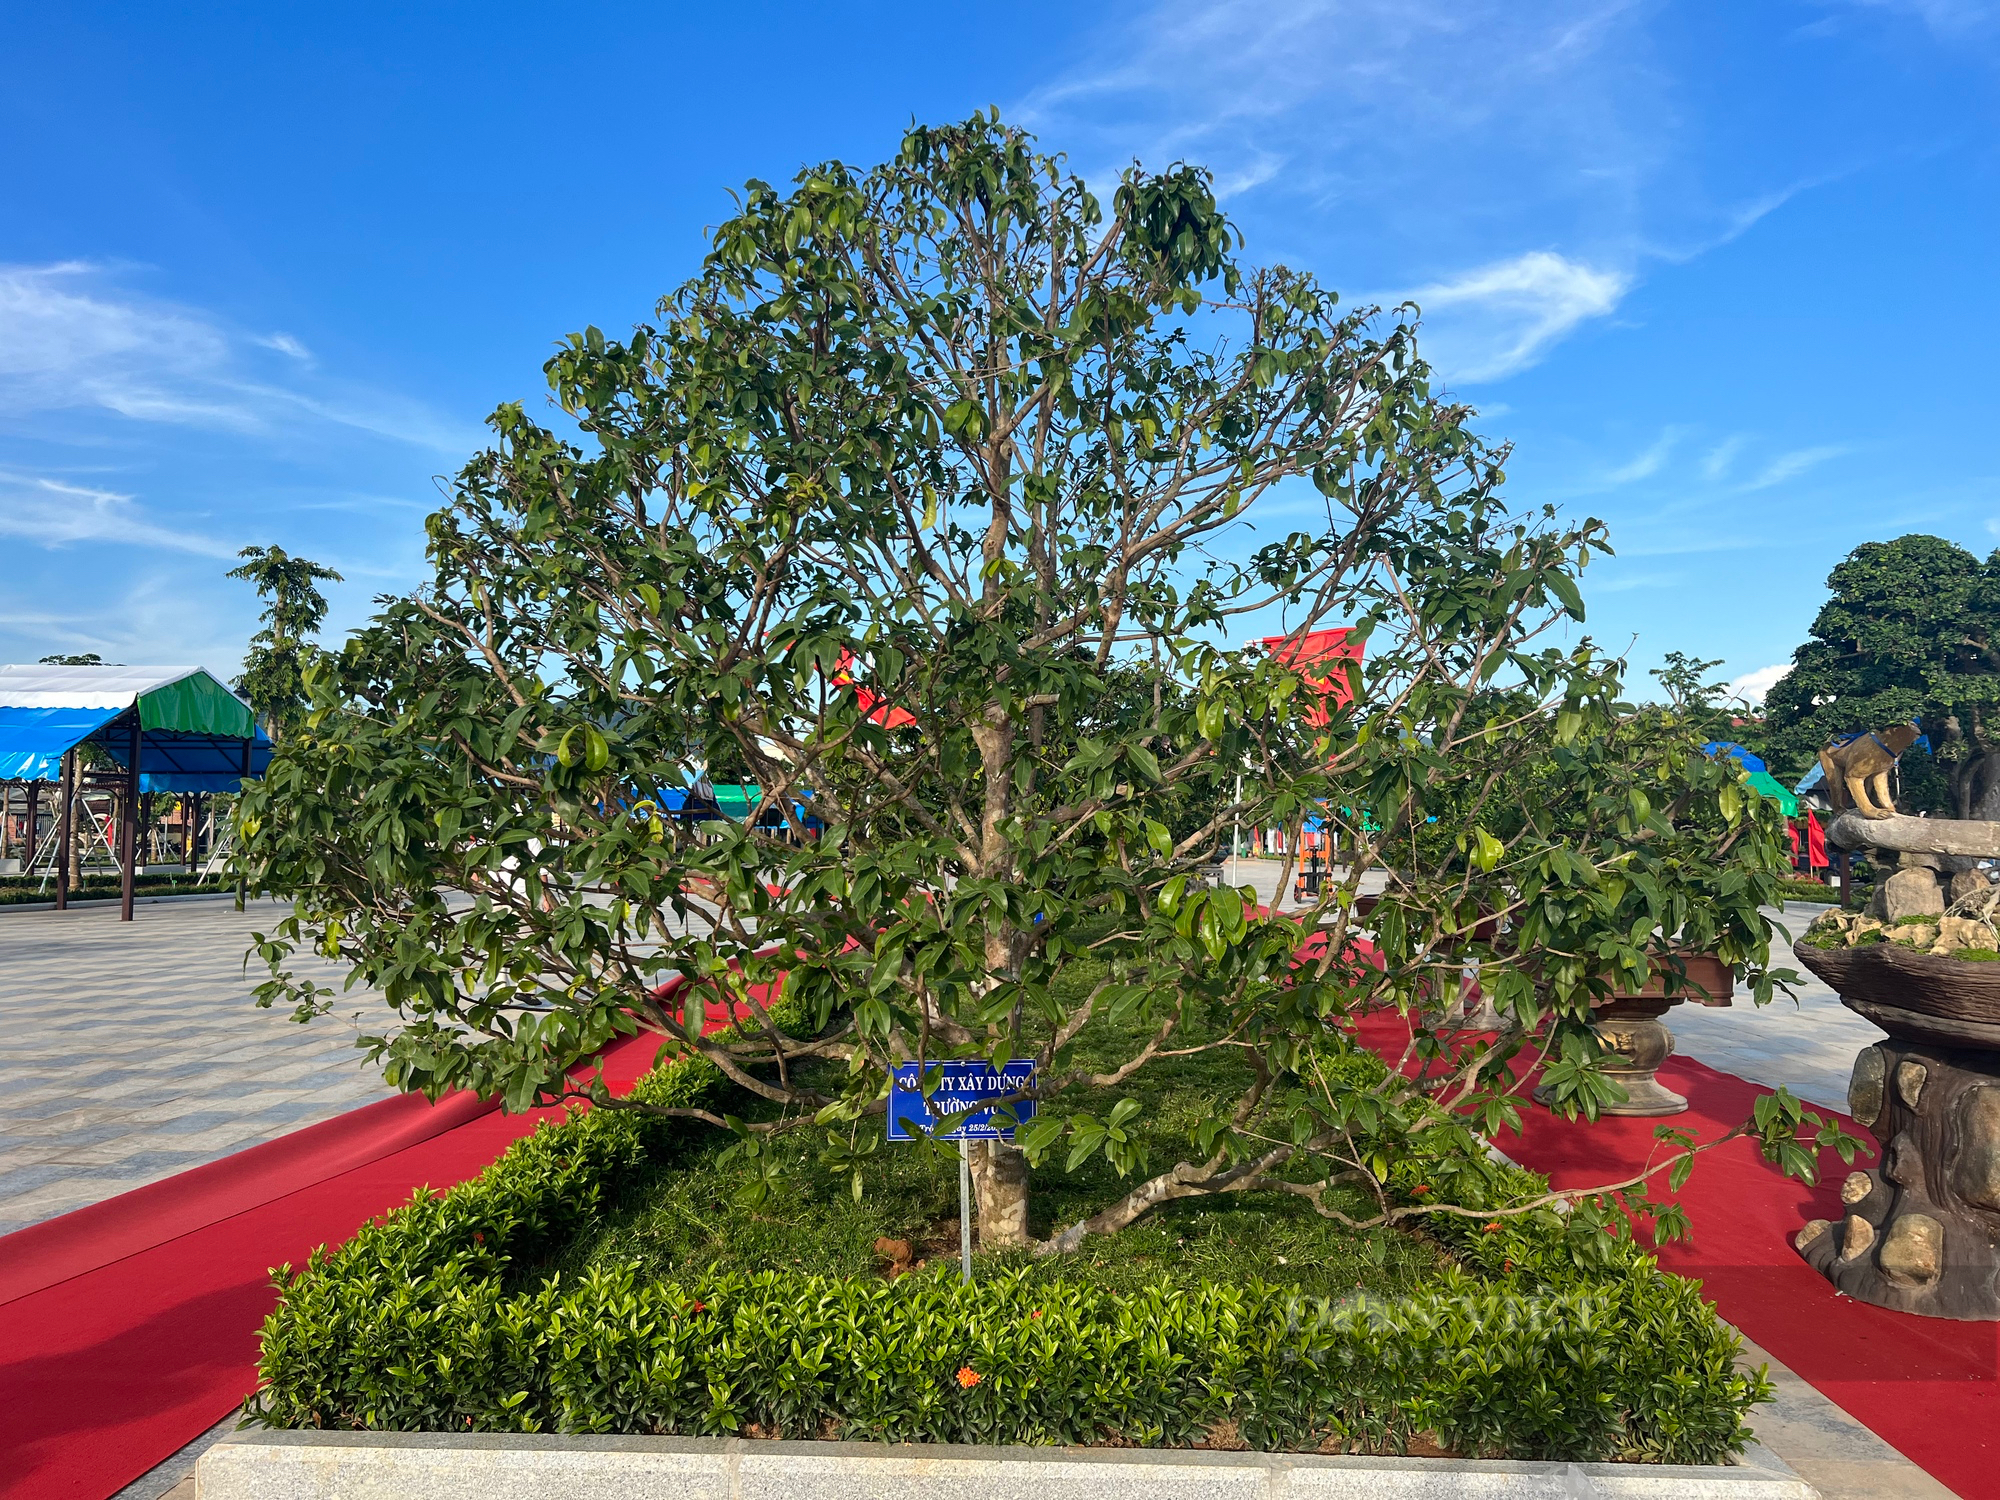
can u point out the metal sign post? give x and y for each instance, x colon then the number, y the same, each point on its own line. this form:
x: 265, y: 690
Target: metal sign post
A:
x: 964, y: 1209
x: 965, y: 1101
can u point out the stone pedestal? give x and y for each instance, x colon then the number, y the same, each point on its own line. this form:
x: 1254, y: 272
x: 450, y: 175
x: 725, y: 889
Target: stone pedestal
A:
x: 1630, y: 1029
x: 1922, y: 1231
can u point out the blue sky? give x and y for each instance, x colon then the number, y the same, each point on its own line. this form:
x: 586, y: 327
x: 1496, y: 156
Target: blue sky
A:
x: 1722, y: 272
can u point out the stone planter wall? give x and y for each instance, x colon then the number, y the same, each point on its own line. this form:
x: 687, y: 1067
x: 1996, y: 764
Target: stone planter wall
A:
x: 447, y: 1466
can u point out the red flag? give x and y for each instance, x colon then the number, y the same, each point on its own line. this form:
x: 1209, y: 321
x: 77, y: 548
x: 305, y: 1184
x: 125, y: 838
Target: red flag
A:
x: 1329, y: 647
x: 1815, y: 843
x: 877, y: 708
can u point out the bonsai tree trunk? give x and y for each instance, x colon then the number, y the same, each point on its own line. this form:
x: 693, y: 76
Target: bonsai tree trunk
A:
x: 1000, y: 1187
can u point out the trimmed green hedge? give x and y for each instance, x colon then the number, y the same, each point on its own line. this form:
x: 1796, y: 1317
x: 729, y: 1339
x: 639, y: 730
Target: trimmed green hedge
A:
x: 23, y: 890
x: 432, y: 1319
x: 1629, y: 1368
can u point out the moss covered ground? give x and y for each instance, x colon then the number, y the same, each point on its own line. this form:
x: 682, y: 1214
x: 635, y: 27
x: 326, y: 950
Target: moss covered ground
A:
x: 684, y: 1212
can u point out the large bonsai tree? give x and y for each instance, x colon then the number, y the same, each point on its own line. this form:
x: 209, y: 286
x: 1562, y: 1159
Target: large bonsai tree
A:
x: 930, y: 502
x: 274, y: 668
x: 1911, y: 630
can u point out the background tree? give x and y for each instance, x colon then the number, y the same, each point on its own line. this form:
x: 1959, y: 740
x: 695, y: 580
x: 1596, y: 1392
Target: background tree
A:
x: 86, y: 659
x: 950, y: 436
x: 273, y: 669
x: 1912, y: 631
x: 1704, y: 707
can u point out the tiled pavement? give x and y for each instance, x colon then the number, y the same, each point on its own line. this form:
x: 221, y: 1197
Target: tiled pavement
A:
x: 130, y: 1051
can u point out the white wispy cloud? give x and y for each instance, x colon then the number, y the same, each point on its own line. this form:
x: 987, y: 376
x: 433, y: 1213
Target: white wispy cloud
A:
x: 1949, y: 18
x: 57, y: 514
x: 1493, y: 153
x: 1624, y: 583
x: 148, y: 620
x: 71, y: 338
x: 1497, y: 319
x: 284, y: 343
x: 1752, y: 686
x: 1715, y: 463
x: 1790, y: 465
x: 1645, y: 465
x: 1230, y: 82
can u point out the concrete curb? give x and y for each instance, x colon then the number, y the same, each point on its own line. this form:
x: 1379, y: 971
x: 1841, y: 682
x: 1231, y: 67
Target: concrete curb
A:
x: 137, y: 900
x: 478, y: 1466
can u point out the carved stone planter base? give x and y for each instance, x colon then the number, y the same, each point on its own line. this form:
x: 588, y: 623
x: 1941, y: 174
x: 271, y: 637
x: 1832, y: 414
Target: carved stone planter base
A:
x: 1630, y: 1030
x: 1922, y: 1231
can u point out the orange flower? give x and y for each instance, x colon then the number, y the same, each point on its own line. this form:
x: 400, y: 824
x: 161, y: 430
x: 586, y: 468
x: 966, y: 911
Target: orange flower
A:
x: 969, y: 1377
x: 1036, y: 1313
x: 1493, y: 1228
x: 1422, y: 1187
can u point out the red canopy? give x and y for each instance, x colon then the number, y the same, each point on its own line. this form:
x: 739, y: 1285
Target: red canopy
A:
x: 1319, y: 648
x: 877, y: 708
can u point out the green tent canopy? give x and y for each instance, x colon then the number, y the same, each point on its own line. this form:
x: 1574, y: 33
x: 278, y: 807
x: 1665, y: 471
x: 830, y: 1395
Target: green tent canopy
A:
x: 1770, y: 786
x: 737, y: 800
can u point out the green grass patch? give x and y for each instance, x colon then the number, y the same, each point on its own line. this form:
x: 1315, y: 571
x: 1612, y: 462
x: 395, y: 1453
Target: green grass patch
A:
x: 680, y: 1215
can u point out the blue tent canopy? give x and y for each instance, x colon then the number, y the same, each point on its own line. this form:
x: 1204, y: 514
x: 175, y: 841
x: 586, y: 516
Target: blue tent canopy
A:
x: 1743, y: 757
x: 192, y: 730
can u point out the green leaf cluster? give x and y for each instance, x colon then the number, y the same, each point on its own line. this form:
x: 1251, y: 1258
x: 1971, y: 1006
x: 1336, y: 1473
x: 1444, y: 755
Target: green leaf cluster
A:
x: 1910, y: 631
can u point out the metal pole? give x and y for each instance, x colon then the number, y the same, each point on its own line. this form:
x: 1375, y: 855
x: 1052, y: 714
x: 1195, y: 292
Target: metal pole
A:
x: 964, y: 1209
x: 65, y: 828
x: 240, y: 883
x: 34, y: 830
x: 1236, y: 838
x: 128, y: 826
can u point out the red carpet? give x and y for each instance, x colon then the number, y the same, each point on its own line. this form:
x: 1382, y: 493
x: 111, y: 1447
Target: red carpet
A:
x: 129, y: 1328
x: 1926, y: 1386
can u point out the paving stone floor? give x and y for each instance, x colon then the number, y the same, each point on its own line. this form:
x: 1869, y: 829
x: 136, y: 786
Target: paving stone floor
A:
x: 131, y: 1051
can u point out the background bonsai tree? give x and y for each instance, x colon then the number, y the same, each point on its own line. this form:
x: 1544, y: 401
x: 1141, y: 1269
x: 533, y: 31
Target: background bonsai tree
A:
x: 929, y: 501
x: 273, y: 670
x: 1911, y: 631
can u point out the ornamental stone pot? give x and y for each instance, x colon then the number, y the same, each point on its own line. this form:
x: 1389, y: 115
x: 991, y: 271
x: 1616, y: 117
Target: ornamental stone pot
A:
x: 1630, y: 1029
x: 1920, y: 1232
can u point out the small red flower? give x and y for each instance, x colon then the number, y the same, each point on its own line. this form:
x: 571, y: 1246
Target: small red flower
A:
x: 1422, y: 1187
x: 478, y: 1237
x: 1506, y: 1265
x: 701, y: 1307
x: 1493, y: 1228
x: 1036, y: 1313
x: 969, y: 1377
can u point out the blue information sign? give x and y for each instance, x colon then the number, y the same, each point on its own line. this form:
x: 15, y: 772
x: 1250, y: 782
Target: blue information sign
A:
x: 960, y: 1107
